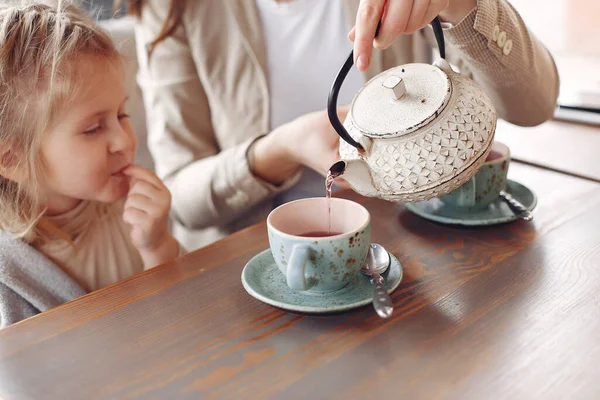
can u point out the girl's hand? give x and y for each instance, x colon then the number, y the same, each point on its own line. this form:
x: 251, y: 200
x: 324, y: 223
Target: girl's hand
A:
x: 147, y: 211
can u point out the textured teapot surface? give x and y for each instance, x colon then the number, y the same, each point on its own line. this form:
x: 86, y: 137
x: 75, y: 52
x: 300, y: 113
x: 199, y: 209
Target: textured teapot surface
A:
x: 423, y: 138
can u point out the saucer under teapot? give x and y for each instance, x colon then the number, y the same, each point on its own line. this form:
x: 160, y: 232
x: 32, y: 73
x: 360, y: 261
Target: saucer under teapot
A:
x: 498, y: 212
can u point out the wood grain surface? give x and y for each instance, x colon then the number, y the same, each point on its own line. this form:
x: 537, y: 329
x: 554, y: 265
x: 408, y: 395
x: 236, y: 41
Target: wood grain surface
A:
x: 557, y: 145
x: 510, y: 311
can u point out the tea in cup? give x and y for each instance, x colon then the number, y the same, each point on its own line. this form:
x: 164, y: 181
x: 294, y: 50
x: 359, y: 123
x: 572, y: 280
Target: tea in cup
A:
x: 487, y: 183
x: 314, y: 252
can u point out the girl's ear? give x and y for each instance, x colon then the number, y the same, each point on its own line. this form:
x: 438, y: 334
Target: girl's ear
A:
x: 10, y: 167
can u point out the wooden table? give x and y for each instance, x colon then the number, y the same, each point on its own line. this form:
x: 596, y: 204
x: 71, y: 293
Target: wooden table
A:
x: 561, y: 146
x: 510, y: 312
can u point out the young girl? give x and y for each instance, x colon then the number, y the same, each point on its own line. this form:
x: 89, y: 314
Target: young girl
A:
x: 75, y: 213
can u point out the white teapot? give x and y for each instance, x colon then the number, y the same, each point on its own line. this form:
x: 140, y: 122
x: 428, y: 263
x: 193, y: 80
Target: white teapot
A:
x: 413, y: 132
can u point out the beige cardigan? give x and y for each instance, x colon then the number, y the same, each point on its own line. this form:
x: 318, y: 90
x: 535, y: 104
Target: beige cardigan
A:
x: 207, y: 98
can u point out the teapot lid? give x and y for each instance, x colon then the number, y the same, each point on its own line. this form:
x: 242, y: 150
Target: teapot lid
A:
x: 401, y: 100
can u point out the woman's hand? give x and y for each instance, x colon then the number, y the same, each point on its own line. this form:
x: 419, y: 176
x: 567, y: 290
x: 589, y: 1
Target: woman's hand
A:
x: 309, y: 140
x: 398, y: 17
x: 313, y: 142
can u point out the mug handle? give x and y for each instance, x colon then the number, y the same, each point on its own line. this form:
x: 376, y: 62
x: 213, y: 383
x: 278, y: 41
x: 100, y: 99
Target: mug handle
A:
x: 295, y: 273
x: 468, y: 189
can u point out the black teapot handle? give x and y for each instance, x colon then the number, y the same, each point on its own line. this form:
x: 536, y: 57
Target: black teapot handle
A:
x: 339, y: 79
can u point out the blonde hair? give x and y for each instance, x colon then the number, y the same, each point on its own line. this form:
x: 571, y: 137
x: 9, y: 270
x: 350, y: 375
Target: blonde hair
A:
x: 38, y: 46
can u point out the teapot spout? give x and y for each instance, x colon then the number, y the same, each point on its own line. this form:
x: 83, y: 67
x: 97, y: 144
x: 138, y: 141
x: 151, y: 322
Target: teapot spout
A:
x: 356, y: 172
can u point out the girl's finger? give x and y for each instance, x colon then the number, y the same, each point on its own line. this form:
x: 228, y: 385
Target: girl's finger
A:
x: 143, y: 203
x: 134, y: 216
x: 147, y: 189
x: 140, y: 173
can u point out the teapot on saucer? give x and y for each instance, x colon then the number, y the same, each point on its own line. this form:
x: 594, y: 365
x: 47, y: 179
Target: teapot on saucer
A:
x: 413, y: 132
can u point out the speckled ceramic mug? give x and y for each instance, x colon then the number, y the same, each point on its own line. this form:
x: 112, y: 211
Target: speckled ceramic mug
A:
x: 310, y: 258
x: 485, y: 186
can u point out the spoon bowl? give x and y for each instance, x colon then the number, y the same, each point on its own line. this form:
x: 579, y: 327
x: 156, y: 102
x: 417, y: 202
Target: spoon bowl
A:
x: 377, y: 262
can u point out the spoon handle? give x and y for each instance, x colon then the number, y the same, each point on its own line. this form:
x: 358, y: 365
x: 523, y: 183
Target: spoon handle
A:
x: 381, y: 299
x: 515, y: 205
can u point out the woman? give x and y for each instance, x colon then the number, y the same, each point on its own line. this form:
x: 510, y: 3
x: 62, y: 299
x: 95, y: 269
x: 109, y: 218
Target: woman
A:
x: 232, y: 89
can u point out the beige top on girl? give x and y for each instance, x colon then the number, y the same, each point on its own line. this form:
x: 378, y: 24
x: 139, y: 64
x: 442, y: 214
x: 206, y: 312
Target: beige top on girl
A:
x: 101, y: 252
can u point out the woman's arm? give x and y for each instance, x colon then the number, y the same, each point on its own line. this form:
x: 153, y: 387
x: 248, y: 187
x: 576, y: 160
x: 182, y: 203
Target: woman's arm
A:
x: 488, y: 40
x: 493, y: 45
x: 210, y: 186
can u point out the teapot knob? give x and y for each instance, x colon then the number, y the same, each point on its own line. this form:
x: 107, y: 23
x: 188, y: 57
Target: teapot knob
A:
x: 397, y: 86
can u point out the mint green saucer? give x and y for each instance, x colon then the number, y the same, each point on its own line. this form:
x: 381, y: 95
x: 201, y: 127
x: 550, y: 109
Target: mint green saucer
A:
x: 263, y: 280
x: 496, y: 213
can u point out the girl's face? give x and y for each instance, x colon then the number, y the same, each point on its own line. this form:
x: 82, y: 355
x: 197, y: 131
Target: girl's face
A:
x: 91, y: 142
